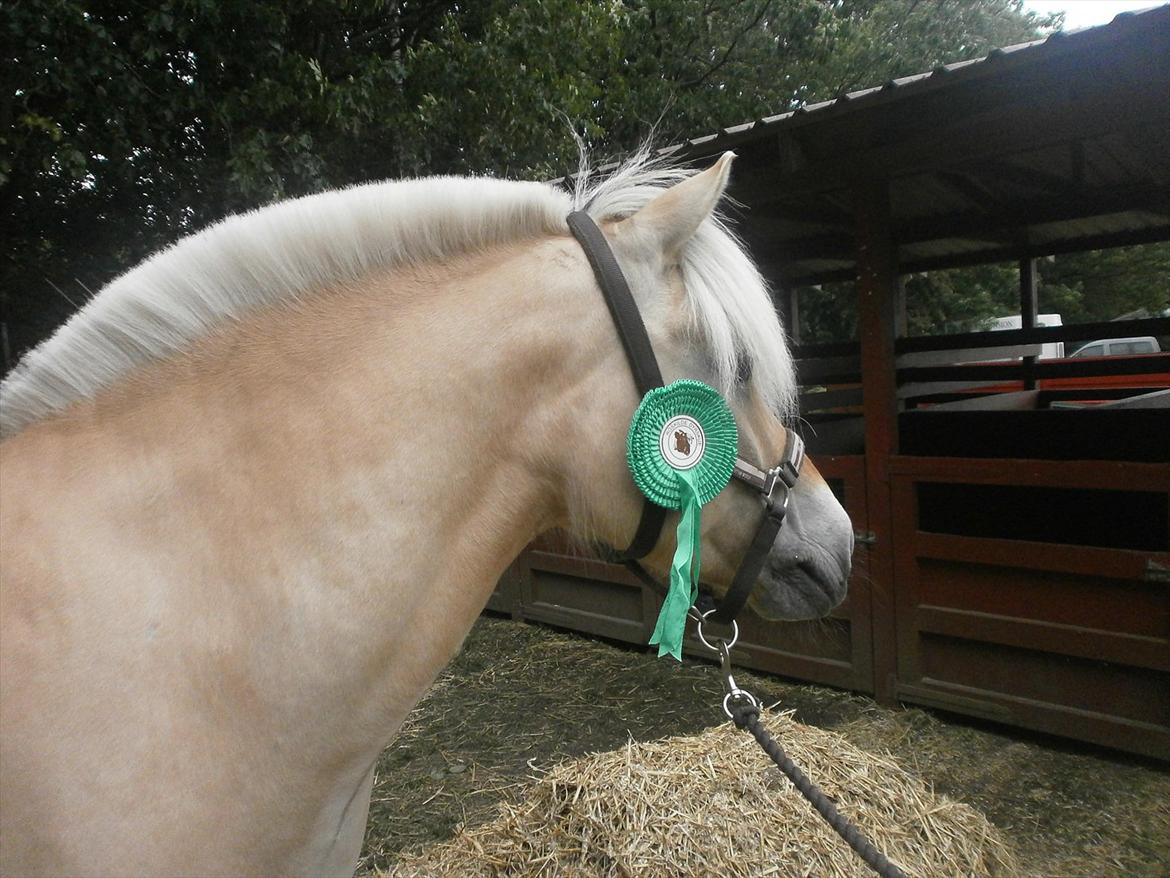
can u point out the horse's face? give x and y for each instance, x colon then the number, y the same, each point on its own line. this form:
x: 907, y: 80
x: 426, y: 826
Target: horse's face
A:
x: 807, y: 569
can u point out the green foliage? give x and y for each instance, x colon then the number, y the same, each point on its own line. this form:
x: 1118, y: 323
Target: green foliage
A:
x: 1106, y: 284
x: 828, y: 312
x: 961, y: 299
x: 125, y: 126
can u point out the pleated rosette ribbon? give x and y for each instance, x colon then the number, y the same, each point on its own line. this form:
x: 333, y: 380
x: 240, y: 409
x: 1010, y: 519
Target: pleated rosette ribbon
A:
x: 681, y: 449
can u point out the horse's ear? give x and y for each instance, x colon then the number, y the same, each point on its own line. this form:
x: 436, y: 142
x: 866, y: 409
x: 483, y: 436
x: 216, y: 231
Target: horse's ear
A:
x: 675, y: 215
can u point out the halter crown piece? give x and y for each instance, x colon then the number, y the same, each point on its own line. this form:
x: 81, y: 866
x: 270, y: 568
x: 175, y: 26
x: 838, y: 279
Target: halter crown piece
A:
x: 681, y: 449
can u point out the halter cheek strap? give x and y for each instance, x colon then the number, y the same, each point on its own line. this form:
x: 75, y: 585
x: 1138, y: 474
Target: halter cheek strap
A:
x: 782, y: 476
x: 639, y: 352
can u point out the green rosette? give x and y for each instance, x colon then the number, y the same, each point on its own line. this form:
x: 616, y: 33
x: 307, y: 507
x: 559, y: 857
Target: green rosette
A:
x: 681, y: 449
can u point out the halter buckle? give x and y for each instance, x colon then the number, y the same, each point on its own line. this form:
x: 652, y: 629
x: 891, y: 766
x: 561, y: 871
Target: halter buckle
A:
x: 786, y: 472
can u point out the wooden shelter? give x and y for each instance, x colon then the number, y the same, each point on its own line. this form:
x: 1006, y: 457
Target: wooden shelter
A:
x: 1013, y: 556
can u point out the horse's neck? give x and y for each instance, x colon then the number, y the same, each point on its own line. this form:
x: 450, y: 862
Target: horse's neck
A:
x: 330, y: 493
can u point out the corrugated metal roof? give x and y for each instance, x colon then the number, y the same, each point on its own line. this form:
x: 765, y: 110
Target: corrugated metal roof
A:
x: 991, y: 64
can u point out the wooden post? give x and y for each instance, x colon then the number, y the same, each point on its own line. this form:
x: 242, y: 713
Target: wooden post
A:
x: 792, y: 317
x: 877, y: 306
x: 900, y: 320
x: 1028, y: 308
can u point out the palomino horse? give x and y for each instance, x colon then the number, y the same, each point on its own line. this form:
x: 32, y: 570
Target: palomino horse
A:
x: 257, y: 491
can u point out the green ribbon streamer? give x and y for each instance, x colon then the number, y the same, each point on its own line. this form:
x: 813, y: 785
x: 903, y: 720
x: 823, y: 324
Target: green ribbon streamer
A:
x: 686, y: 490
x: 684, y: 572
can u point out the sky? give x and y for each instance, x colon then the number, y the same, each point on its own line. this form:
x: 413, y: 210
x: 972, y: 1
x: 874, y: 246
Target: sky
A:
x: 1087, y: 13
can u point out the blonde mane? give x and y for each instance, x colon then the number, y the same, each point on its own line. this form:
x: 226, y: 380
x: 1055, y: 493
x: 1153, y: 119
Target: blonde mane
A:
x: 287, y: 250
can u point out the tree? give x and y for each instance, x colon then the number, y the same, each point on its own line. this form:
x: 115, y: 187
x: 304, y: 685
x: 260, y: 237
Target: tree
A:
x: 1106, y: 284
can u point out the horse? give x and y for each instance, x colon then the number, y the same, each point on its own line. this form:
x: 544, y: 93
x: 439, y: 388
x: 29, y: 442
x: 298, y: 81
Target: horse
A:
x: 247, y: 511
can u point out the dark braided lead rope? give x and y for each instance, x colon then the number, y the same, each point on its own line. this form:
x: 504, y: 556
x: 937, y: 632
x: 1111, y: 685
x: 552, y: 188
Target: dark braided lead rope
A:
x: 747, y: 717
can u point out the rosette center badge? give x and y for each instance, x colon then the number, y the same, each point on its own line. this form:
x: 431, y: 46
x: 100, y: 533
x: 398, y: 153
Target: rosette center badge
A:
x: 682, y: 442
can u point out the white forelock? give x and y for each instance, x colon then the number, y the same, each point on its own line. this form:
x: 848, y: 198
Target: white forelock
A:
x: 293, y: 248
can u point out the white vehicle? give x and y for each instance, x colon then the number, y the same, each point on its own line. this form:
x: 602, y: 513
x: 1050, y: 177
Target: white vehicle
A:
x: 1050, y: 350
x: 1118, y: 347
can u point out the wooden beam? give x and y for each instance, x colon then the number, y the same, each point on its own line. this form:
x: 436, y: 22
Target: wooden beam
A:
x: 827, y: 349
x: 1037, y: 335
x: 793, y: 324
x: 1024, y: 214
x: 971, y: 187
x: 1088, y: 367
x: 819, y: 211
x: 877, y: 289
x: 1028, y: 307
x: 1147, y: 147
x: 1039, y: 179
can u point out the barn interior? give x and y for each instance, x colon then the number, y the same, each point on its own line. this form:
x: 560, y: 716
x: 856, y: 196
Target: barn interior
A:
x: 1011, y: 508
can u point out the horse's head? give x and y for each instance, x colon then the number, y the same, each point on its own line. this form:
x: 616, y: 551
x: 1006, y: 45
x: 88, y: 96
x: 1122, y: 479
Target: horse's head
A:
x: 711, y: 318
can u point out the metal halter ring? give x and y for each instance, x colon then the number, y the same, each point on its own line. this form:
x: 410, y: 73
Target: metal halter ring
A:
x: 739, y: 693
x: 706, y: 642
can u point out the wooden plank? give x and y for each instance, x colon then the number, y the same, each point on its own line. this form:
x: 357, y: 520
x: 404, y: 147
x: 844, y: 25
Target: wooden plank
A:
x: 586, y: 568
x: 1036, y: 335
x: 828, y: 370
x: 1058, y: 434
x: 981, y: 399
x: 604, y: 607
x: 846, y: 466
x: 1149, y: 739
x: 1054, y: 557
x: 1123, y: 606
x: 599, y: 624
x: 1121, y: 691
x: 1072, y: 640
x: 904, y: 503
x: 1133, y: 520
x: 830, y: 399
x: 1157, y: 399
x: 850, y: 472
x: 1087, y: 367
x: 1105, y: 474
x: 828, y: 349
x: 957, y: 356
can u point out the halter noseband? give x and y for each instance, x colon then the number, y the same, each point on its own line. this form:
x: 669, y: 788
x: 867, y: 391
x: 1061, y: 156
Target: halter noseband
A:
x: 773, y: 485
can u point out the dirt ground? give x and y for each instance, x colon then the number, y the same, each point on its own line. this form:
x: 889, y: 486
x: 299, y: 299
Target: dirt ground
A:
x: 521, y: 697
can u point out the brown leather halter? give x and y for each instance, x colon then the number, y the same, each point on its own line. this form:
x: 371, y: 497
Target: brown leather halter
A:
x: 773, y: 485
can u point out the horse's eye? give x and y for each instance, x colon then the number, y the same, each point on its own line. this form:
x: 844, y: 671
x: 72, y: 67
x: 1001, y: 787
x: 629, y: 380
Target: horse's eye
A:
x: 743, y: 374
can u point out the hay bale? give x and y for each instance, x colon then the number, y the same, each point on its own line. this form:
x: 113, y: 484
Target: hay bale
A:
x: 713, y: 804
